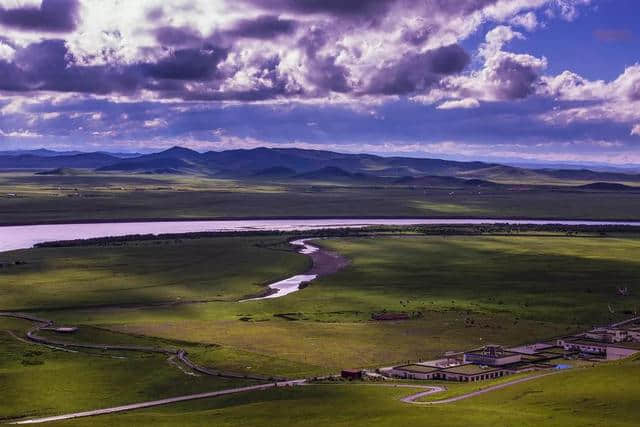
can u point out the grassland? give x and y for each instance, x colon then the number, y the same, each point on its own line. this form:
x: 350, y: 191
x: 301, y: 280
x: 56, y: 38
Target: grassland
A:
x: 38, y: 381
x: 605, y: 395
x: 459, y: 292
x: 171, y: 271
x: 42, y: 198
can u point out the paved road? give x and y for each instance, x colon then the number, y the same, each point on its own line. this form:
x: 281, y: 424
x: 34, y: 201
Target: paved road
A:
x: 160, y: 402
x: 412, y: 399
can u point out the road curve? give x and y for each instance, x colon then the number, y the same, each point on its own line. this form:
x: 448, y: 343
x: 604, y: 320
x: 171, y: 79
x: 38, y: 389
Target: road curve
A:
x: 160, y: 402
x: 414, y: 397
x: 179, y: 353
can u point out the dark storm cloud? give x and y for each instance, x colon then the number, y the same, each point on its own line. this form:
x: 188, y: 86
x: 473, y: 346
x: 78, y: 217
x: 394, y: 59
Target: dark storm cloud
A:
x: 323, y: 71
x: 48, y: 65
x: 188, y: 64
x: 334, y: 7
x: 420, y: 71
x: 177, y: 36
x: 461, y: 7
x: 515, y: 80
x: 51, y: 16
x: 262, y: 27
x: 367, y: 9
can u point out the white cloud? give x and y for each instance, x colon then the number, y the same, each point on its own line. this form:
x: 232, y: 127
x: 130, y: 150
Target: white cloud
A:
x: 155, y: 123
x: 459, y: 103
x: 636, y: 130
x: 617, y: 100
x: 503, y: 76
x: 20, y: 134
x: 528, y: 20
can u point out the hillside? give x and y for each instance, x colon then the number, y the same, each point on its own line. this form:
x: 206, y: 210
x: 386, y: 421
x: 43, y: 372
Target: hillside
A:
x: 82, y: 161
x: 280, y: 163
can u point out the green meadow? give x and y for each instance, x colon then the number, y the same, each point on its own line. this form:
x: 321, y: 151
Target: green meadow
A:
x: 604, y: 395
x: 38, y: 381
x: 95, y: 197
x: 459, y: 292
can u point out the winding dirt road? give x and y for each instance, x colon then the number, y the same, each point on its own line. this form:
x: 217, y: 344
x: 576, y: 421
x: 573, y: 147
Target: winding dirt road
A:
x: 180, y: 354
x: 428, y: 390
x: 414, y: 397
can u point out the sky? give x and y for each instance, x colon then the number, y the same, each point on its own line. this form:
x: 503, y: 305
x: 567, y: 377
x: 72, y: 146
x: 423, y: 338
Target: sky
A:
x: 497, y: 80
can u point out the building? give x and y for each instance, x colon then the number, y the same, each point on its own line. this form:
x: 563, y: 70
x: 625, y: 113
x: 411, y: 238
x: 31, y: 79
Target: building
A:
x: 599, y: 349
x: 351, y: 374
x: 608, y: 335
x: 482, y: 364
x: 492, y: 355
x: 413, y: 372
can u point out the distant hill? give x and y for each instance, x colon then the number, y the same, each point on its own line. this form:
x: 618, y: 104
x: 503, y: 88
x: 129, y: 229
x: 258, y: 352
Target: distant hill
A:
x: 332, y: 173
x: 271, y: 163
x: 607, y: 186
x: 80, y: 161
x: 43, y: 152
x: 275, y: 172
x: 503, y: 173
x: 176, y: 159
x: 61, y: 172
x: 444, y: 181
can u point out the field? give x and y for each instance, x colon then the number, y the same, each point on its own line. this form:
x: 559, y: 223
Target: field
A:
x: 458, y: 292
x: 604, y: 395
x: 36, y: 380
x: 42, y: 198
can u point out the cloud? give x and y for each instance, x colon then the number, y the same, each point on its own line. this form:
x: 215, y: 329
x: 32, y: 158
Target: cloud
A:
x: 20, y: 134
x: 177, y: 36
x: 459, y: 103
x: 155, y: 123
x: 636, y: 130
x: 528, y: 20
x: 358, y: 51
x: 351, y: 8
x: 51, y: 16
x: 262, y: 27
x: 616, y: 101
x: 503, y: 76
x: 418, y: 72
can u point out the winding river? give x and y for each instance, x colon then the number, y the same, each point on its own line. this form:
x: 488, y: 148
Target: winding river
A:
x: 25, y: 236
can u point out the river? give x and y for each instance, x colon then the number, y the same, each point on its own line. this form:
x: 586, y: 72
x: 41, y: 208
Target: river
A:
x: 25, y: 236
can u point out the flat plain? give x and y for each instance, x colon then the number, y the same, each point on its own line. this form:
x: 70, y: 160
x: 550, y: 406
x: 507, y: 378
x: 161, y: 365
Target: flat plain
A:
x: 107, y: 197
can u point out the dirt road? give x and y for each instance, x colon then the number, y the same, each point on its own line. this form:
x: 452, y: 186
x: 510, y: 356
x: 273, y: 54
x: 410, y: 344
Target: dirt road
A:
x: 414, y: 397
x: 160, y: 402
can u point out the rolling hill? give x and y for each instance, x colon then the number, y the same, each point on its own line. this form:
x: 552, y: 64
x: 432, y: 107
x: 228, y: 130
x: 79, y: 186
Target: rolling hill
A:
x: 285, y: 163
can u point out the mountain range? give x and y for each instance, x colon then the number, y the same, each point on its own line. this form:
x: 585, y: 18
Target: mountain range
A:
x: 293, y: 163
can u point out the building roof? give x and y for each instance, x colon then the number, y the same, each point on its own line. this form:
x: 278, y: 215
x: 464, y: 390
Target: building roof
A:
x: 504, y: 353
x: 470, y: 369
x: 596, y: 343
x: 421, y: 369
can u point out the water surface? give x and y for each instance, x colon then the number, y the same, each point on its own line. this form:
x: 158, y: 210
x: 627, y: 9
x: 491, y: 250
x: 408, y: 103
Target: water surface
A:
x: 25, y: 236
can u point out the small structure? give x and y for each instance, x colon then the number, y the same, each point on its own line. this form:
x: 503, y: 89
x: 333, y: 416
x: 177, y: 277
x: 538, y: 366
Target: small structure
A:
x: 351, y: 374
x: 599, y: 349
x: 492, y: 355
x: 608, y: 335
x: 414, y: 372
